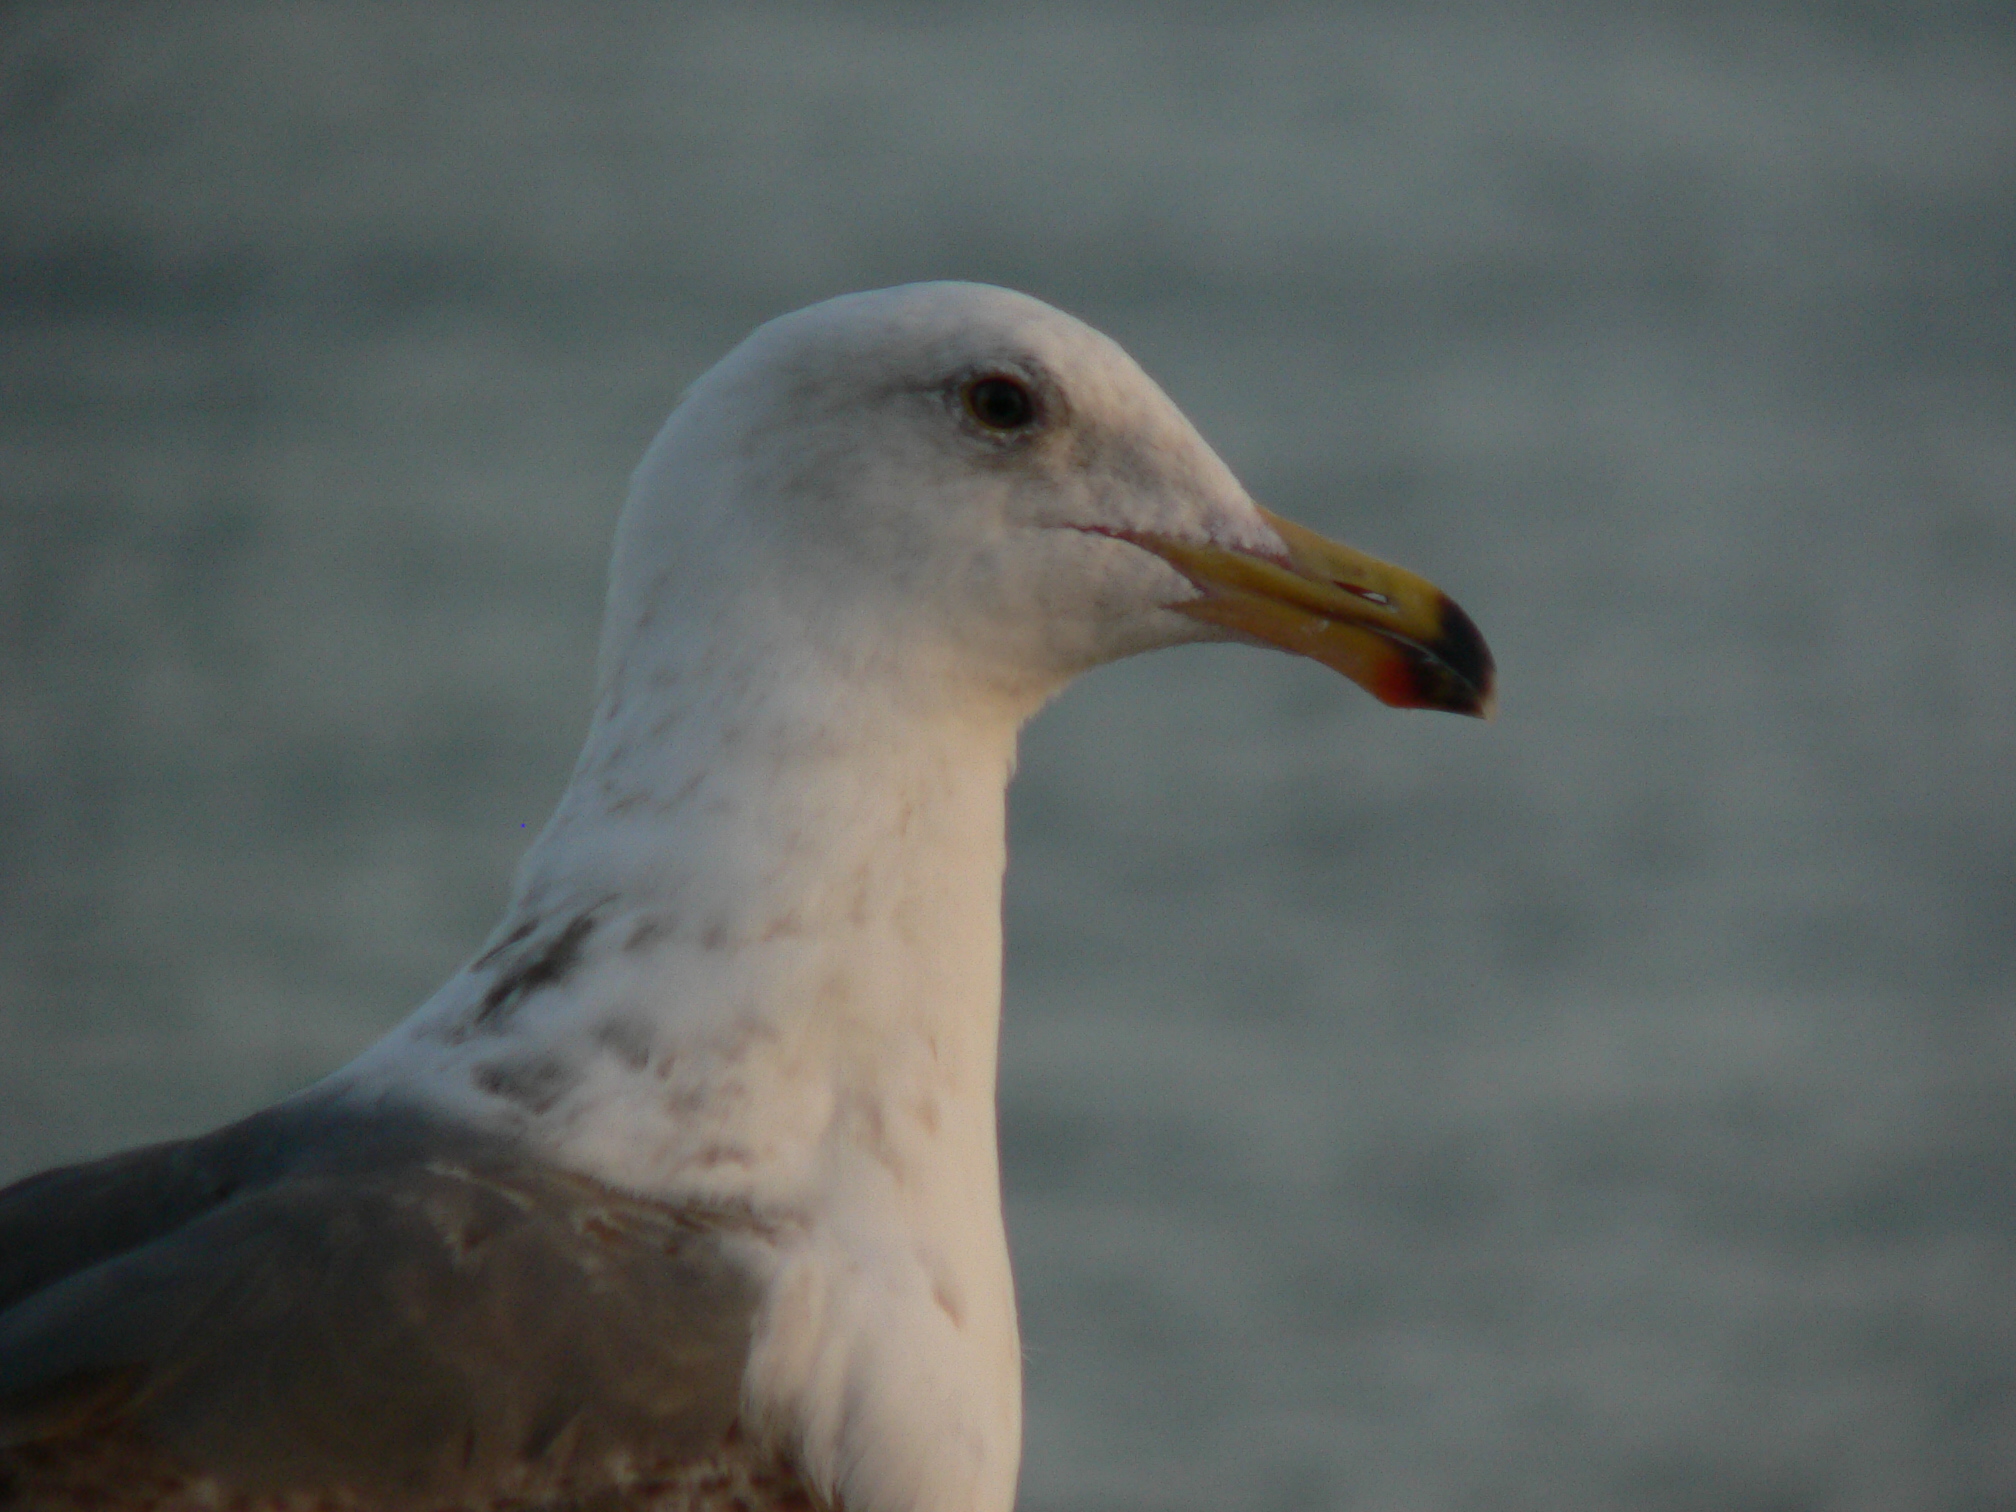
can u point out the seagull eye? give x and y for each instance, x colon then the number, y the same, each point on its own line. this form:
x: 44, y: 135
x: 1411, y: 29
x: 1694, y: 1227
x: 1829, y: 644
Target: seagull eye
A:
x: 1002, y: 404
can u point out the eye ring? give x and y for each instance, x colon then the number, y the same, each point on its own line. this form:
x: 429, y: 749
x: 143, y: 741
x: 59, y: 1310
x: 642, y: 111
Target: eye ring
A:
x: 1000, y: 402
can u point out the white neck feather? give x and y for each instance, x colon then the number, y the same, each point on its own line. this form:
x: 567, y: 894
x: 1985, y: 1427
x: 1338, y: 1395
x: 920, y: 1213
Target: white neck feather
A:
x: 755, y: 959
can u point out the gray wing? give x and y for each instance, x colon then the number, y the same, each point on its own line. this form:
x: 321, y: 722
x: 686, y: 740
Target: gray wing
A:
x: 374, y: 1311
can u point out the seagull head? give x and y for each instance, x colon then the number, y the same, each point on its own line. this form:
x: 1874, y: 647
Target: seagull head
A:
x: 960, y: 477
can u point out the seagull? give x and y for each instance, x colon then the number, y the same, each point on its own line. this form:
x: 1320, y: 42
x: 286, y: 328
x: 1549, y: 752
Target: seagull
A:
x: 683, y: 1194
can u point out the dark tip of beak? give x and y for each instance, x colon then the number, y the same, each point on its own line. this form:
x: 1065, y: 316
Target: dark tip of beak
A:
x: 1461, y: 645
x: 1455, y: 671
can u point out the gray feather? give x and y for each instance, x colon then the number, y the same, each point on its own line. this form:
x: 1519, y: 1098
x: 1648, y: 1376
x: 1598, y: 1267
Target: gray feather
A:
x: 384, y: 1309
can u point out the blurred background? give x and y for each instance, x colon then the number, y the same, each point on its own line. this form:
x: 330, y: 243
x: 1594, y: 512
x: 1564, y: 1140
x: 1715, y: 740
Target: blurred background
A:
x: 1611, y: 1106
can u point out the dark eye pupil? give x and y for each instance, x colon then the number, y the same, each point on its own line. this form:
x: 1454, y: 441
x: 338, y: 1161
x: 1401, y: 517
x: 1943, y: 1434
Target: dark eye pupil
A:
x: 1001, y: 403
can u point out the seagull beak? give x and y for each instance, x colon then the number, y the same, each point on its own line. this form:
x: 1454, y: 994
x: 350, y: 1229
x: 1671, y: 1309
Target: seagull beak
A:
x: 1396, y: 635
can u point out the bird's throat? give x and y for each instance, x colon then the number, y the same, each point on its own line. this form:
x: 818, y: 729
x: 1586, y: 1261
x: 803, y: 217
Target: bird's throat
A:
x: 758, y: 935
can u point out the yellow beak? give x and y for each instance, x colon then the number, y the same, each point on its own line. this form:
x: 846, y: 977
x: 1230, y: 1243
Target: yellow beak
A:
x: 1396, y: 635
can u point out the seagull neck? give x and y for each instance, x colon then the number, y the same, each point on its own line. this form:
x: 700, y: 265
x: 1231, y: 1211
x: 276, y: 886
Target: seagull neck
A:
x: 818, y: 817
x: 755, y: 925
